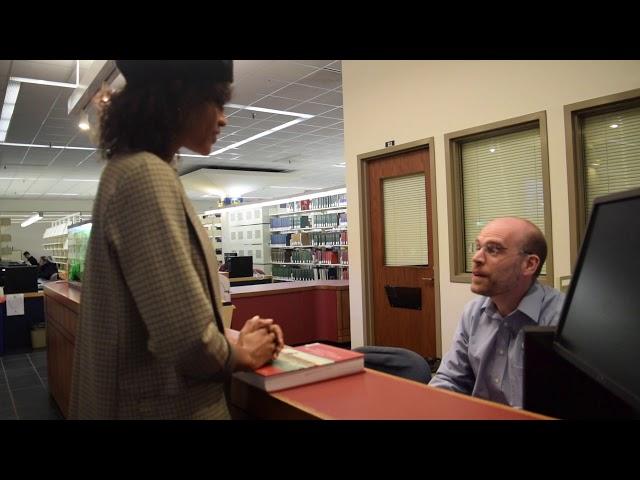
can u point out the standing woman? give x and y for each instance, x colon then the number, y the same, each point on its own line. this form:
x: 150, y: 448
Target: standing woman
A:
x: 150, y: 341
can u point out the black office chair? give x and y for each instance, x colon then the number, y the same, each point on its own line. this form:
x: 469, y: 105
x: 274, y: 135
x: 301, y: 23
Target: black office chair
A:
x: 396, y: 361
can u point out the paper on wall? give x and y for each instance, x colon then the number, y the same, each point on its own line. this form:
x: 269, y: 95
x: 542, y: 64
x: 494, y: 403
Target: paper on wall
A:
x: 15, y: 304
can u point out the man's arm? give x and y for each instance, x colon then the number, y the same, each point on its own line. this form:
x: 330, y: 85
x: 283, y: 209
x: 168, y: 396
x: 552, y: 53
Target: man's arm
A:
x: 455, y: 372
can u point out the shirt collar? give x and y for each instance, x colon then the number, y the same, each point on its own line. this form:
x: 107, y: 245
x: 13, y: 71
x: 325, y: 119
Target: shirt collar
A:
x: 529, y: 305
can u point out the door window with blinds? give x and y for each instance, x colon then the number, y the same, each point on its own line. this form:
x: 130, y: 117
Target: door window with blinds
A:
x: 498, y: 170
x: 405, y: 221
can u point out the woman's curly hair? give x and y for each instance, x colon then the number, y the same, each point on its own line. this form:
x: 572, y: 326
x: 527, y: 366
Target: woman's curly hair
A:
x: 150, y: 117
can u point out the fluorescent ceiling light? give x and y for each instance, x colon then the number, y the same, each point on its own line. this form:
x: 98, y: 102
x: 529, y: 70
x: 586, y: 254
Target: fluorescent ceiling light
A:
x: 31, y: 220
x: 492, y: 150
x: 43, y: 82
x: 339, y: 165
x: 301, y: 117
x: 69, y: 194
x: 10, y: 97
x: 268, y: 110
x: 259, y: 135
x: 79, y: 180
x: 615, y: 125
x: 35, y: 145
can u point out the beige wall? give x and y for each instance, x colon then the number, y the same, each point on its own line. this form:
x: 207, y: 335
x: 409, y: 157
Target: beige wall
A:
x: 410, y: 100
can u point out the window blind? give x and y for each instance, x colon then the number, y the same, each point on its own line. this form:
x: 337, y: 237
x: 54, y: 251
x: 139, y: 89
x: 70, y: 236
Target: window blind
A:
x: 611, y: 158
x: 405, y: 221
x: 501, y: 176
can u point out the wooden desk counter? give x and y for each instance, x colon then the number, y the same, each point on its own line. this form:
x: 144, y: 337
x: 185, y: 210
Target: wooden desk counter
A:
x: 369, y: 395
x: 62, y: 307
x: 3, y: 298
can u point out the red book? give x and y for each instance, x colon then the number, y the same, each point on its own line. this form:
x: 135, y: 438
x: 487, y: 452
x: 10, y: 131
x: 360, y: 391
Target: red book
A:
x: 302, y: 365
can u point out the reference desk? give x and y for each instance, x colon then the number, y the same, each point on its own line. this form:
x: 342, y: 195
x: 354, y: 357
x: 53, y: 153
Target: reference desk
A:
x: 369, y: 395
x: 62, y: 306
x: 366, y: 395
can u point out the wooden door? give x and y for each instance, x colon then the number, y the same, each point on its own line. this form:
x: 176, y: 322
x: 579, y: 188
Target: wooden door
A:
x: 409, y: 285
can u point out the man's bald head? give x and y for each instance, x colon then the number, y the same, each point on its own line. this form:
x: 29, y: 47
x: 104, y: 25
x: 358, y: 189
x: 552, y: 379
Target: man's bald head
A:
x: 527, y: 235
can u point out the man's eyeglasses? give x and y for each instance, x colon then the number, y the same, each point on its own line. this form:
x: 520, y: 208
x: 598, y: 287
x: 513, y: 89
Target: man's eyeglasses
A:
x: 493, y: 249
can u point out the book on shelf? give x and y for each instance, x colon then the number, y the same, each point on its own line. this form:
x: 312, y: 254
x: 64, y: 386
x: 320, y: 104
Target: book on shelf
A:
x: 302, y: 365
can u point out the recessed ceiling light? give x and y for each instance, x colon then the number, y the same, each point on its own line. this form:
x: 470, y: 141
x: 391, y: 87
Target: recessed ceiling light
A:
x: 492, y: 150
x: 614, y: 125
x: 339, y: 165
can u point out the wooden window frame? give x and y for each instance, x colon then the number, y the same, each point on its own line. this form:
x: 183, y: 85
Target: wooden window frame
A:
x: 453, y: 142
x: 574, y: 114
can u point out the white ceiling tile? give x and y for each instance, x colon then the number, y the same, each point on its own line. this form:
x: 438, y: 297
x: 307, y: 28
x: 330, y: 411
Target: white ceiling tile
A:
x: 268, y: 124
x: 276, y: 103
x: 331, y: 98
x: 335, y: 113
x: 82, y: 140
x: 324, y: 79
x: 300, y: 92
x: 320, y: 121
x: 285, y: 70
x: 315, y: 63
x: 312, y: 108
x: 248, y: 90
x: 40, y: 156
x: 39, y: 70
x: 337, y: 65
x: 301, y: 128
x: 70, y: 157
x: 4, y: 68
x: 239, y: 121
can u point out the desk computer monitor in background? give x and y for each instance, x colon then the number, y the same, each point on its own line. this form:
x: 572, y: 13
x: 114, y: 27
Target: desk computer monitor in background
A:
x: 240, y: 267
x: 20, y: 278
x: 599, y: 329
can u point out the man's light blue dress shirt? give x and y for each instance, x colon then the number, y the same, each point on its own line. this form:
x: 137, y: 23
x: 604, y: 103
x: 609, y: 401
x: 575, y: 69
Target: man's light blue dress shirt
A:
x: 486, y: 357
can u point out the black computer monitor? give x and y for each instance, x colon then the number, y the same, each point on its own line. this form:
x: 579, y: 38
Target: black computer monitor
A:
x: 240, y: 267
x: 20, y: 279
x: 599, y: 328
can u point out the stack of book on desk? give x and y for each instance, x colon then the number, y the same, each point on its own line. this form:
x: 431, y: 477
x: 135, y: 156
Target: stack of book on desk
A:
x: 305, y: 364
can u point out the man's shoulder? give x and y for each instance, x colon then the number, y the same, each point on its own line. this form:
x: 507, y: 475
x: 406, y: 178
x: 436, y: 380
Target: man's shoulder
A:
x: 551, y: 307
x: 475, y: 306
x: 551, y: 293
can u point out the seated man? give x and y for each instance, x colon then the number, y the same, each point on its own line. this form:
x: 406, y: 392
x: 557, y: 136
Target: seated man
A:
x: 30, y: 258
x: 486, y: 357
x: 47, y: 269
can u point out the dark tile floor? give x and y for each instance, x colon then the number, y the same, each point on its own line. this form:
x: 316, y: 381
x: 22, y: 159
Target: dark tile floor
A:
x: 24, y: 393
